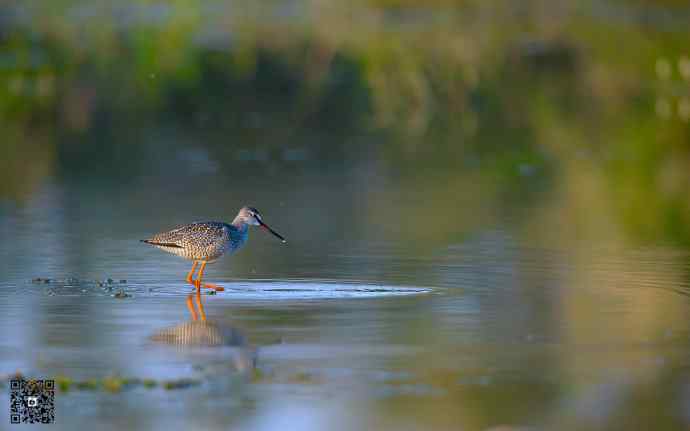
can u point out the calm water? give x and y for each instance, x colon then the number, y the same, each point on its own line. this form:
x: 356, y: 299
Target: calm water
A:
x: 486, y: 211
x: 367, y: 319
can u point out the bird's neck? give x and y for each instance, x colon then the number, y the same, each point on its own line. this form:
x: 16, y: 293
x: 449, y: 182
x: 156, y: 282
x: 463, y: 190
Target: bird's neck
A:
x: 240, y: 224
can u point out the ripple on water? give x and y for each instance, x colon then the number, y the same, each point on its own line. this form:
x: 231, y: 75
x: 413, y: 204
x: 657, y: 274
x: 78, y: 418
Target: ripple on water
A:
x: 250, y: 290
x: 274, y: 289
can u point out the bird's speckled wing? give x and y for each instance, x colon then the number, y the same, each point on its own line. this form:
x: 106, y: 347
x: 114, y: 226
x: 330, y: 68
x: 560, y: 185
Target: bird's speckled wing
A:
x: 202, y: 234
x: 203, y: 240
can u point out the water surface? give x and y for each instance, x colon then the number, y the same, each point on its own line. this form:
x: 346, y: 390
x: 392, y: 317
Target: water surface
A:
x: 486, y: 210
x: 344, y: 332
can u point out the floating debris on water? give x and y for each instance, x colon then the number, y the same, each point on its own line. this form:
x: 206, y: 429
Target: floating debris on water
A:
x: 180, y: 384
x: 75, y: 281
x: 63, y: 383
x: 87, y: 385
x: 149, y: 383
x: 112, y: 384
x: 106, y: 285
x: 121, y: 294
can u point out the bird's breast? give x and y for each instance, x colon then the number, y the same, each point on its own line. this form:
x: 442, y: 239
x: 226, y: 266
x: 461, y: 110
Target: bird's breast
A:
x: 237, y: 239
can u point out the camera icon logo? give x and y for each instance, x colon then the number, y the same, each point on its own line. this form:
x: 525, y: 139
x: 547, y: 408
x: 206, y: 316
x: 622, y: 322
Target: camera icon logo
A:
x: 32, y: 401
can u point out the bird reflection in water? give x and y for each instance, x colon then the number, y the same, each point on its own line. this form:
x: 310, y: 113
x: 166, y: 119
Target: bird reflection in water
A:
x: 192, y: 310
x: 202, y: 333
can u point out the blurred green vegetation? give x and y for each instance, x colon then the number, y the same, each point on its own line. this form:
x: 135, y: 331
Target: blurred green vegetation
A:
x: 522, y: 101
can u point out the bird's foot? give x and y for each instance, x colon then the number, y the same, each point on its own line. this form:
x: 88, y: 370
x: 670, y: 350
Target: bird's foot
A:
x: 213, y: 286
x: 198, y: 285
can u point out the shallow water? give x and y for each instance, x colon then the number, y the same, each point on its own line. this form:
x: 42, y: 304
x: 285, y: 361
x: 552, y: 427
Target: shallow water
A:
x: 486, y: 213
x: 341, y: 331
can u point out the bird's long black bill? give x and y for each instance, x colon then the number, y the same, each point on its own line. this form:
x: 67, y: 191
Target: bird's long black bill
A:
x: 265, y: 226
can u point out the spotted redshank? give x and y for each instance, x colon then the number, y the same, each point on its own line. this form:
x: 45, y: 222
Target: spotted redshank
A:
x: 206, y: 242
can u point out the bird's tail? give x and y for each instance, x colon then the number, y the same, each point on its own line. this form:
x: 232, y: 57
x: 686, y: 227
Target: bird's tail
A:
x: 161, y: 244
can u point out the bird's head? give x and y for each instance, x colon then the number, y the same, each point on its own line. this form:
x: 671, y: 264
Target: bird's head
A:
x: 251, y: 216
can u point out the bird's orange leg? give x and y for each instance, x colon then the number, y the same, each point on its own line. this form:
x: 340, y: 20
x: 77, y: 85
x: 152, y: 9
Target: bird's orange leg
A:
x: 190, y: 280
x: 199, y: 284
x: 199, y: 276
x: 190, y: 306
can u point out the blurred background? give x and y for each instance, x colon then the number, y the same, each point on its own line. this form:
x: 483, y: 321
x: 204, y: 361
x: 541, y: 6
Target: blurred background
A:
x: 528, y: 161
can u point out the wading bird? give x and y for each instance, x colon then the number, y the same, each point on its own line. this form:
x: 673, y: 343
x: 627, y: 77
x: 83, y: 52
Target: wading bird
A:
x: 205, y: 242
